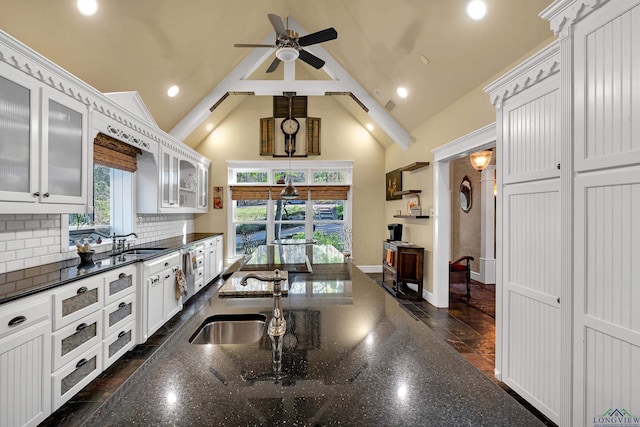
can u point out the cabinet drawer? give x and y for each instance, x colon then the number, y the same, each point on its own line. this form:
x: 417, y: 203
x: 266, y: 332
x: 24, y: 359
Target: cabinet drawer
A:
x: 74, y: 339
x: 119, y: 313
x: 199, y: 274
x: 119, y: 283
x: 157, y: 265
x: 199, y: 284
x: 118, y: 344
x: 23, y: 313
x: 200, y: 249
x: 76, y: 300
x: 200, y: 261
x: 71, y: 378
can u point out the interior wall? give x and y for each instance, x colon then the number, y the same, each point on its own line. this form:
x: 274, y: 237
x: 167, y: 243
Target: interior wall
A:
x: 466, y: 226
x: 342, y: 138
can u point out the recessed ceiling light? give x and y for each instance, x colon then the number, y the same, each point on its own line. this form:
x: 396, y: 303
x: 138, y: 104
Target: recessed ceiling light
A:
x: 402, y: 92
x: 209, y: 127
x: 378, y: 93
x: 476, y: 9
x: 369, y: 126
x: 87, y: 7
x: 173, y: 91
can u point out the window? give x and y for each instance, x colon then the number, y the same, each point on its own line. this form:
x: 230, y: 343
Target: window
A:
x: 112, y: 208
x: 259, y: 216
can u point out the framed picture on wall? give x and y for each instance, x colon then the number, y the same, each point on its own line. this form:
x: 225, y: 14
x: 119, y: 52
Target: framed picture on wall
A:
x: 217, y: 197
x: 393, y: 184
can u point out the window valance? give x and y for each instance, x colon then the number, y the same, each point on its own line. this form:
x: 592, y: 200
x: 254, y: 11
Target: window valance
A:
x: 110, y: 152
x: 264, y: 192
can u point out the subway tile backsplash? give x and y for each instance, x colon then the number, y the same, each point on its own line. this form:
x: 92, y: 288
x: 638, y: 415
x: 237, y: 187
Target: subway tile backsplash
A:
x: 30, y: 240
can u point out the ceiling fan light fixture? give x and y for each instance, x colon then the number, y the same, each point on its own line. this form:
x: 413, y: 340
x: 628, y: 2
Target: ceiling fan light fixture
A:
x: 480, y: 160
x: 287, y: 54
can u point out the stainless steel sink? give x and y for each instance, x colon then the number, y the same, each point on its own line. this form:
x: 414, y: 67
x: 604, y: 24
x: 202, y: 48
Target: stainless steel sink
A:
x: 143, y: 251
x: 230, y: 329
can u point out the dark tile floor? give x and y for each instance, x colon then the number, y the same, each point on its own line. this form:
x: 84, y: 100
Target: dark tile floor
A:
x: 470, y: 331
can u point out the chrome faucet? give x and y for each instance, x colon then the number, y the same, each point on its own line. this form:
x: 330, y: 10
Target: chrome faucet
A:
x: 277, y: 325
x: 117, y: 242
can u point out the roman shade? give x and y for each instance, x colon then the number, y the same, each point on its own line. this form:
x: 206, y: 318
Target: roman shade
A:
x: 112, y: 153
x: 264, y: 192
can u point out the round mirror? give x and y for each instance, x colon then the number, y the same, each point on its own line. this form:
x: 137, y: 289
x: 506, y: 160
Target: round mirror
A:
x: 465, y: 194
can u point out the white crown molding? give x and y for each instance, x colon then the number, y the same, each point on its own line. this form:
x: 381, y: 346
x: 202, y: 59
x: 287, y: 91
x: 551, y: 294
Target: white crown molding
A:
x: 477, y: 140
x: 540, y: 66
x: 562, y: 13
x: 24, y: 59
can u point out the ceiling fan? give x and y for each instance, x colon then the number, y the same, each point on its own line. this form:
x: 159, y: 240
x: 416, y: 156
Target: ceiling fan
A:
x: 290, y: 46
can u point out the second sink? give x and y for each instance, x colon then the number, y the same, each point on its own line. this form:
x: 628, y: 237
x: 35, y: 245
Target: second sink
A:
x: 230, y: 329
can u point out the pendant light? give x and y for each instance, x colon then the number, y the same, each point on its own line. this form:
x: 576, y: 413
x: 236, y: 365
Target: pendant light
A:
x: 289, y: 192
x: 480, y: 160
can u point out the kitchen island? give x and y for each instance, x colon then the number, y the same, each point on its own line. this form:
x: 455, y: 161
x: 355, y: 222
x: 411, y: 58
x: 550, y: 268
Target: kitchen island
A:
x: 351, y: 355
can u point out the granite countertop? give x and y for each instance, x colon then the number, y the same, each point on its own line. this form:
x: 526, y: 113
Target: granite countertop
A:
x: 21, y: 283
x: 352, y: 355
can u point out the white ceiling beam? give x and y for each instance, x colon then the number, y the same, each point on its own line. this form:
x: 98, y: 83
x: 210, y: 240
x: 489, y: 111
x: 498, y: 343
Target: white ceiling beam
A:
x: 342, y: 81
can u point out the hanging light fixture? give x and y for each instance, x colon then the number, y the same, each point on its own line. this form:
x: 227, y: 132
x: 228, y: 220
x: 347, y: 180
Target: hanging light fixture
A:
x: 480, y: 160
x: 289, y: 192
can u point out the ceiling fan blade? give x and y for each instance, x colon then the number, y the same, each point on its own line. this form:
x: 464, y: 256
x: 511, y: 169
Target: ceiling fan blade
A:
x: 318, y: 37
x: 273, y: 65
x: 311, y: 59
x: 276, y: 21
x: 251, y: 45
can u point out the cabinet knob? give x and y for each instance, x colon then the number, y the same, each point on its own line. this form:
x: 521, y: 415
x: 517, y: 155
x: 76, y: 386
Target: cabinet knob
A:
x: 167, y: 276
x: 17, y: 320
x: 122, y: 305
x: 45, y: 195
x: 36, y: 194
x: 122, y: 276
x: 82, y: 290
x: 166, y: 264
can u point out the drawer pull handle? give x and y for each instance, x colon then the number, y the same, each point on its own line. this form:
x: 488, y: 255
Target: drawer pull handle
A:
x: 81, y: 362
x: 17, y: 320
x: 122, y: 305
x: 122, y: 276
x: 167, y: 276
x: 82, y: 290
x: 166, y: 264
x: 36, y: 194
x: 121, y: 334
x: 81, y: 326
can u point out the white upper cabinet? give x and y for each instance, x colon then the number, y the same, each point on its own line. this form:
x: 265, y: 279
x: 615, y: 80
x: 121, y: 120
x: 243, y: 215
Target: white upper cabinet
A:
x: 43, y: 147
x: 170, y: 177
x: 203, y: 185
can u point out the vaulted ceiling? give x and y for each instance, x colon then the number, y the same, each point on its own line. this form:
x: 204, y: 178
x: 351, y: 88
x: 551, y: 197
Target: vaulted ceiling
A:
x: 149, y: 45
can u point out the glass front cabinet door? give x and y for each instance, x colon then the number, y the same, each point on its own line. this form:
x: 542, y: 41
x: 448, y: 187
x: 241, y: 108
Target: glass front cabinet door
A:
x: 170, y: 179
x: 43, y: 147
x: 203, y: 184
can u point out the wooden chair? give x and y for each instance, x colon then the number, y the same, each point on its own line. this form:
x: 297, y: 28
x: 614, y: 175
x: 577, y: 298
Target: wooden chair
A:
x: 462, y: 265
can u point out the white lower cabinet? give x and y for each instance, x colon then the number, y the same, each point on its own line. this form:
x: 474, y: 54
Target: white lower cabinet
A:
x: 118, y: 343
x: 160, y: 300
x: 74, y: 376
x: 74, y: 339
x: 213, y: 258
x: 25, y: 375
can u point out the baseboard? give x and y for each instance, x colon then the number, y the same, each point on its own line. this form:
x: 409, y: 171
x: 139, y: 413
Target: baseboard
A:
x: 370, y: 268
x: 476, y: 276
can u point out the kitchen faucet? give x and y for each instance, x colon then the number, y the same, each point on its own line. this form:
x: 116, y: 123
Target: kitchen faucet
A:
x: 277, y: 325
x: 117, y: 246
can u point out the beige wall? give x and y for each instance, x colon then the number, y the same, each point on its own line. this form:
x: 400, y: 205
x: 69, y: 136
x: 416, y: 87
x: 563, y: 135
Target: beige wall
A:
x: 465, y: 226
x: 342, y: 138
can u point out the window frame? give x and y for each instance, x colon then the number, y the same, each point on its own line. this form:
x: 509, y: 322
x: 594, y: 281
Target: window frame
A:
x: 308, y: 167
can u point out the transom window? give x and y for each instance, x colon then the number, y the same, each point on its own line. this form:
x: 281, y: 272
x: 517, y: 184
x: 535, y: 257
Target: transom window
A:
x: 260, y: 216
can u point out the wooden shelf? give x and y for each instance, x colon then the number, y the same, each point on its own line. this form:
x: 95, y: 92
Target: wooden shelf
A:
x: 414, y: 166
x: 411, y: 216
x: 405, y: 192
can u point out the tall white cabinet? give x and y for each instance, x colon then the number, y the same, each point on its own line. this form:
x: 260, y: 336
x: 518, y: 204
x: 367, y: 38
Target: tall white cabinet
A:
x: 568, y: 327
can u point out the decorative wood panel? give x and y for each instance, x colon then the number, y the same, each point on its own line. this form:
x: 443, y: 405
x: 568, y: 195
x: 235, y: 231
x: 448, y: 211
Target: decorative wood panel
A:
x: 532, y: 129
x: 313, y: 136
x: 281, y: 106
x: 267, y: 136
x: 607, y: 87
